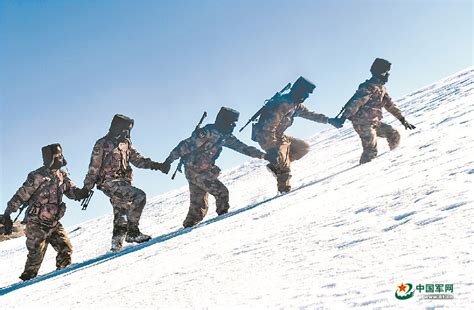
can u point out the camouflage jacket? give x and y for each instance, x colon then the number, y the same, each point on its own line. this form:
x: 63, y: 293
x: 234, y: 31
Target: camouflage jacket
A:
x: 201, y: 150
x: 43, y: 191
x: 278, y: 115
x: 366, y: 105
x: 111, y: 160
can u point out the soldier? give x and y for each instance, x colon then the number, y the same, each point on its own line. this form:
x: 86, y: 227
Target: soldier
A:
x: 43, y: 192
x: 275, y: 117
x: 200, y: 152
x: 364, y: 109
x: 110, y: 170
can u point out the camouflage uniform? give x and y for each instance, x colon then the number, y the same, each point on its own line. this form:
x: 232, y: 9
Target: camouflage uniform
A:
x: 282, y: 149
x: 364, y: 109
x: 43, y: 191
x: 200, y: 152
x: 109, y: 168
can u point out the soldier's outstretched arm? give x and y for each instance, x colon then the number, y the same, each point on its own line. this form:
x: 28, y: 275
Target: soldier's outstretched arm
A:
x: 140, y: 161
x: 72, y: 191
x: 24, y: 193
x: 95, y: 164
x: 233, y: 143
x: 304, y: 112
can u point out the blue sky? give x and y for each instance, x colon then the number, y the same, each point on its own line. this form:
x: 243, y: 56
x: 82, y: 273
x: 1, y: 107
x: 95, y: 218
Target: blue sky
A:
x: 68, y: 66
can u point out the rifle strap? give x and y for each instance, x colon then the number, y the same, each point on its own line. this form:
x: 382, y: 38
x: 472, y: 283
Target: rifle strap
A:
x: 26, y: 203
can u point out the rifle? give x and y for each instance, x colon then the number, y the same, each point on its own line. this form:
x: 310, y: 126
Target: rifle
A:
x: 85, y: 201
x: 342, y: 110
x: 347, y: 103
x: 257, y: 114
x: 345, y: 106
x: 23, y: 207
x: 183, y: 160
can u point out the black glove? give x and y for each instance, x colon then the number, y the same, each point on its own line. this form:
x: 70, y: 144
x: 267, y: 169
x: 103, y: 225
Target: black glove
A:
x: 166, y: 166
x: 81, y: 193
x: 7, y: 224
x: 156, y: 166
x: 337, y: 122
x: 407, y: 124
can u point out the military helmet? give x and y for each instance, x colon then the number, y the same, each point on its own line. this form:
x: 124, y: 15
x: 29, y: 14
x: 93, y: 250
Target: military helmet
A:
x: 226, y: 119
x: 48, y: 153
x: 380, y: 66
x: 302, y: 86
x: 119, y: 123
x: 227, y: 115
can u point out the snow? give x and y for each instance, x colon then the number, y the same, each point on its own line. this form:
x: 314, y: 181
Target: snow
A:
x: 345, y: 237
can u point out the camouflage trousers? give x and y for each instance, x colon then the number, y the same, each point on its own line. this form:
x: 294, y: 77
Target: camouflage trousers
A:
x: 368, y: 134
x: 281, y: 154
x: 37, y: 239
x: 200, y: 185
x: 128, y: 203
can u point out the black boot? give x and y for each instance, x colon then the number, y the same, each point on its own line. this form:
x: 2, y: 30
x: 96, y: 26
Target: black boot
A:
x: 283, y: 189
x: 134, y: 235
x: 27, y: 275
x: 222, y: 212
x: 190, y: 222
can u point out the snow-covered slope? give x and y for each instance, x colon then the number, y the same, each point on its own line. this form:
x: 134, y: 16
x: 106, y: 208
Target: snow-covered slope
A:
x: 346, y: 236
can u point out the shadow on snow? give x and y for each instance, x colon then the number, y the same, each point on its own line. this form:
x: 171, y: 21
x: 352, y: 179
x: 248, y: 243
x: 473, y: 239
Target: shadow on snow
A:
x: 112, y: 255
